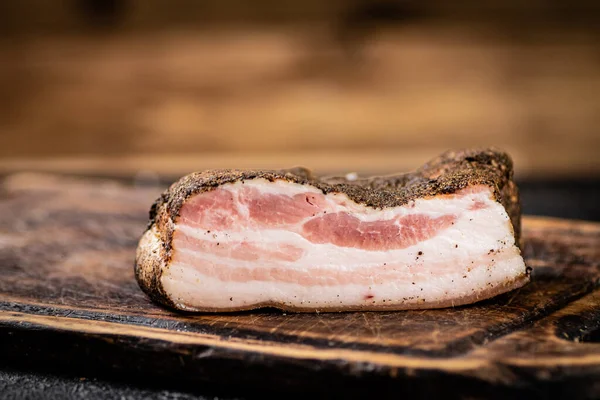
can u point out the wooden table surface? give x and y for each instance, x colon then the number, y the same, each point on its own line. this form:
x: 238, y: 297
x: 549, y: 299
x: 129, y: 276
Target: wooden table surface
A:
x: 68, y: 299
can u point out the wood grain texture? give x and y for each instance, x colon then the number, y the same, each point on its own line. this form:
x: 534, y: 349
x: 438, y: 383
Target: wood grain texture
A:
x: 68, y: 298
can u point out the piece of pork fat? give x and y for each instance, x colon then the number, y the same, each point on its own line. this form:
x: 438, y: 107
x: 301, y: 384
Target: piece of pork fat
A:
x: 444, y: 235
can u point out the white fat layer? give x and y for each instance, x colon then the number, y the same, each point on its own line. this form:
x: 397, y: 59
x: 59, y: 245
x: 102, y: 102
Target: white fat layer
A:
x: 191, y: 289
x: 458, y: 248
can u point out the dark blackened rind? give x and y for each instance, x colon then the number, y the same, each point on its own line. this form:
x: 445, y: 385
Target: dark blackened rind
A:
x: 446, y: 174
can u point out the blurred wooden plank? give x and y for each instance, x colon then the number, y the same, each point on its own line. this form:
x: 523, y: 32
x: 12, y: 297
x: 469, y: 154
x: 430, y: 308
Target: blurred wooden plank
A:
x: 175, y: 165
x: 265, y: 92
x: 366, y: 162
x: 39, y: 16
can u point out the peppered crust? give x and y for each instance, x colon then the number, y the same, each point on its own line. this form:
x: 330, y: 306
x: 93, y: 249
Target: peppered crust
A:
x: 446, y: 174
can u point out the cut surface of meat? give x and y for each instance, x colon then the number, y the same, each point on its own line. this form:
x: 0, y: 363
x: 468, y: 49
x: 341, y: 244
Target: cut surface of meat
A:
x: 227, y: 240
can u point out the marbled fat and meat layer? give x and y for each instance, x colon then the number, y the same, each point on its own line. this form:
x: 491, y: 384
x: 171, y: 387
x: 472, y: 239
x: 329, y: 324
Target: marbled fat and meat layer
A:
x: 286, y: 240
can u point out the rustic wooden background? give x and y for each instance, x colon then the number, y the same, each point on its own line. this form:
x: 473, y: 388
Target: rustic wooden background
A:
x: 169, y: 87
x: 145, y: 88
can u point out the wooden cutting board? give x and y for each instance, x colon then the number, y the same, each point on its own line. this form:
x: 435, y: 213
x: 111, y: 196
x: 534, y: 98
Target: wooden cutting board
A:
x: 68, y: 300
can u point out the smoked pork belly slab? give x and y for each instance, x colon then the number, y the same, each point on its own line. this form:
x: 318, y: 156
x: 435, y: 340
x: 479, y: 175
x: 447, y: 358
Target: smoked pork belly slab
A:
x: 228, y: 240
